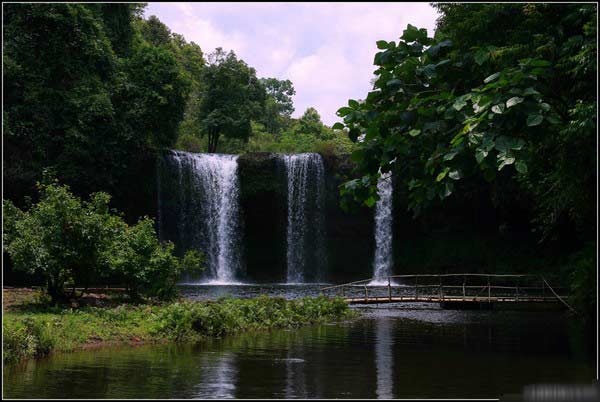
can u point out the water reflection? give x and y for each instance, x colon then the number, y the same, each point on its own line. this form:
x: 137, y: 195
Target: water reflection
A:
x: 386, y: 354
x: 295, y: 380
x: 384, y: 358
x: 219, y: 376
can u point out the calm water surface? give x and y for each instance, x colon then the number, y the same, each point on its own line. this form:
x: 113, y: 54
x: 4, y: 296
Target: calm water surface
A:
x: 400, y: 352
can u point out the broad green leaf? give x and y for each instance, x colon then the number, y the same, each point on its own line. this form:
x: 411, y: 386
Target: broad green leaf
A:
x: 480, y: 155
x: 534, y: 119
x: 448, y: 189
x: 459, y: 103
x: 353, y: 104
x: 530, y: 91
x: 455, y: 174
x: 491, y: 77
x: 370, y: 201
x: 521, y: 167
x: 411, y: 34
x: 544, y: 106
x: 381, y: 44
x: 337, y: 126
x: 343, y: 111
x: 481, y: 56
x: 414, y: 132
x: 513, y: 101
x: 499, y: 108
x: 450, y: 155
x: 442, y: 174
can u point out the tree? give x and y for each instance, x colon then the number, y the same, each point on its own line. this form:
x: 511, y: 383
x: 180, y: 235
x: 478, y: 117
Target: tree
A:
x: 279, y: 105
x: 86, y: 95
x: 310, y: 124
x: 151, y: 95
x: 231, y: 97
x: 144, y: 265
x: 60, y: 237
x: 74, y: 243
x: 483, y: 101
x: 155, y: 32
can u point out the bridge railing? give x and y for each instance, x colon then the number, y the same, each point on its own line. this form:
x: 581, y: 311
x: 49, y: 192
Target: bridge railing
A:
x: 464, y: 286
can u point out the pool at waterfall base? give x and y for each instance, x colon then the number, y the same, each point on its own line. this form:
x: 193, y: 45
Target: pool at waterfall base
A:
x: 390, y: 351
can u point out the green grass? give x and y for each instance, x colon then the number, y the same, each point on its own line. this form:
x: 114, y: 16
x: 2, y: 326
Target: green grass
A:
x: 34, y: 333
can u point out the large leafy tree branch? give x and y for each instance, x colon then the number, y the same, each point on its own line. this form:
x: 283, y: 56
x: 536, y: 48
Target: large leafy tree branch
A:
x: 442, y: 115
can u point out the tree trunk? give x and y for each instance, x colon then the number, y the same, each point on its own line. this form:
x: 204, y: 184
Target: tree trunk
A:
x: 213, y: 139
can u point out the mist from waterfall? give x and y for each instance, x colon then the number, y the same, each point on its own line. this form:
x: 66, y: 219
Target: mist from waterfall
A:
x: 382, y: 264
x: 305, y: 224
x: 207, y: 210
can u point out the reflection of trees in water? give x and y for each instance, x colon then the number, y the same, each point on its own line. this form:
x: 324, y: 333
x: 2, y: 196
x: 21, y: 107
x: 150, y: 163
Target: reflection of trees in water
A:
x: 384, y: 360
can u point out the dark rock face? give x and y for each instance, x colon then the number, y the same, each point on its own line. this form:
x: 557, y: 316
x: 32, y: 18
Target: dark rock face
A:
x: 263, y: 205
x: 263, y: 198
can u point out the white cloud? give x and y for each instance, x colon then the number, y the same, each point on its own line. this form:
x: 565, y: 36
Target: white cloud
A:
x: 325, y: 49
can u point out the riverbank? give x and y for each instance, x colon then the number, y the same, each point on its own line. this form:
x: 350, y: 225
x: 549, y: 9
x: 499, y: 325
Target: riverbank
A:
x: 33, y: 329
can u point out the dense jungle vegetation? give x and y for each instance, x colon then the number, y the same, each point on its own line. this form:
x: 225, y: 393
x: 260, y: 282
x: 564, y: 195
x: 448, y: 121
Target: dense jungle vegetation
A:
x: 499, y: 106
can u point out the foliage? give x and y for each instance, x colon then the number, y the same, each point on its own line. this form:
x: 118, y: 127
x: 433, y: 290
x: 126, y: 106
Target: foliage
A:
x: 278, y: 105
x: 231, y: 97
x: 26, y: 338
x: 86, y: 94
x: 190, y: 320
x: 582, y: 279
x: 76, y: 243
x: 481, y: 101
x: 29, y: 334
x: 61, y: 237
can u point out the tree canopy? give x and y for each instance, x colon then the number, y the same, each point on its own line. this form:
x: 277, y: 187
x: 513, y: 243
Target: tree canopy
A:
x: 231, y: 97
x: 502, y: 93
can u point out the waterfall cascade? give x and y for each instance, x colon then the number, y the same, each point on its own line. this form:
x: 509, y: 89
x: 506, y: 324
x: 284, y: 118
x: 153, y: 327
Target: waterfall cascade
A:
x: 306, y: 223
x: 207, y: 210
x: 382, y: 263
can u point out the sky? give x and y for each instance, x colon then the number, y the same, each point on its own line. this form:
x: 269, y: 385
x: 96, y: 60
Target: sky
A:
x: 325, y: 49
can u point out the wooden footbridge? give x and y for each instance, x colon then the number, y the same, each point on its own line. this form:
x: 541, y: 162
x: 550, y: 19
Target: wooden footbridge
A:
x: 451, y: 290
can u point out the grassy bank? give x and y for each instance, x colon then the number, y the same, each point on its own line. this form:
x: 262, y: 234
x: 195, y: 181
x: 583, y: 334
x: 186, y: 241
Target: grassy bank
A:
x: 34, y: 330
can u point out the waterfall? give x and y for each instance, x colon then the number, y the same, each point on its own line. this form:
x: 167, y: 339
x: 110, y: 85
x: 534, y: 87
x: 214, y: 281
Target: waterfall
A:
x: 306, y: 223
x: 383, y: 230
x: 207, y: 210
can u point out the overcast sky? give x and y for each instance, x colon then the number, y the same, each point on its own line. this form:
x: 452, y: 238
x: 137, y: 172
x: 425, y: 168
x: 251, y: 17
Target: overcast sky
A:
x: 325, y: 49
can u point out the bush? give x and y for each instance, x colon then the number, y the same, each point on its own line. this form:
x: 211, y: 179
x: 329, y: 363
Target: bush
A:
x: 60, y: 237
x: 75, y: 243
x: 192, y: 320
x: 25, y: 339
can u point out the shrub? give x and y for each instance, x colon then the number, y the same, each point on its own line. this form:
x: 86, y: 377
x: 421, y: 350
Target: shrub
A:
x: 26, y: 338
x: 72, y: 243
x: 61, y: 237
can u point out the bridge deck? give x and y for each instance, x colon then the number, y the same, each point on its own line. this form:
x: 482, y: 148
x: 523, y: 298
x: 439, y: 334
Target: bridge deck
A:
x: 448, y: 299
x: 450, y: 289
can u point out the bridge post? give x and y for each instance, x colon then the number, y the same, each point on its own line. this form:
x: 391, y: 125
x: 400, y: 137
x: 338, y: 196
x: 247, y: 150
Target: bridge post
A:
x: 464, y: 293
x: 489, y: 290
x: 366, y: 294
x: 416, y: 287
x: 543, y: 290
x: 389, y: 288
x: 441, y: 291
x: 517, y: 290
